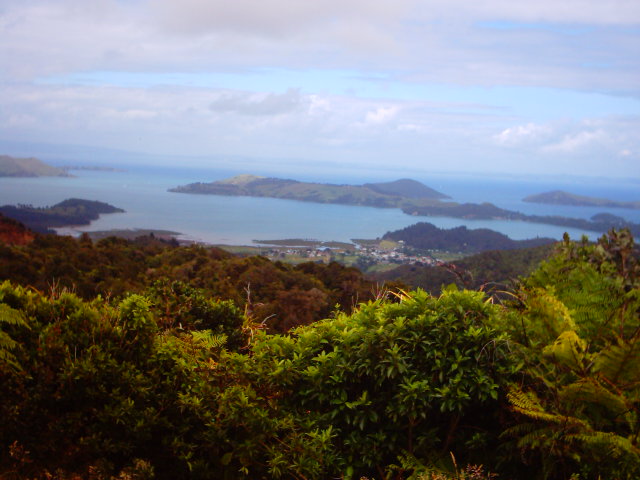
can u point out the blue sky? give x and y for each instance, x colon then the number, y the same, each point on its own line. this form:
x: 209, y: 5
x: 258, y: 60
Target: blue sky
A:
x: 494, y: 86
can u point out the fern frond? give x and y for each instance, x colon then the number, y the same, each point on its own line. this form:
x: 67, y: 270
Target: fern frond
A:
x: 9, y: 316
x: 589, y: 391
x: 207, y: 340
x: 614, y: 445
x: 568, y: 350
x: 620, y: 362
x: 528, y: 405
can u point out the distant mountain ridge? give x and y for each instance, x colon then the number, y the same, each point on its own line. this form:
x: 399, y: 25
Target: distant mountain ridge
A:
x: 386, y: 194
x: 28, y: 167
x: 560, y: 197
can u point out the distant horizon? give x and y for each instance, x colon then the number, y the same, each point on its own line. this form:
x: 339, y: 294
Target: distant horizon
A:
x: 83, y: 155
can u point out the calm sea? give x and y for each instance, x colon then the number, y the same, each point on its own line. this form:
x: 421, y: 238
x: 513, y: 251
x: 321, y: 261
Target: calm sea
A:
x: 142, y: 192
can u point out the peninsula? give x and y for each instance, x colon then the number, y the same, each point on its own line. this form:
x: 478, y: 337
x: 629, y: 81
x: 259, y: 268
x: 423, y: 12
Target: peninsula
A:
x: 28, y: 167
x: 559, y: 197
x: 385, y: 195
x: 73, y: 211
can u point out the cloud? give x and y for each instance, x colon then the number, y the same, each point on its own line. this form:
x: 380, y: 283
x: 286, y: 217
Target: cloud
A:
x: 416, y: 64
x: 441, y: 41
x: 605, y: 144
x: 579, y: 141
x: 282, y: 18
x: 270, y: 18
x: 522, y: 134
x: 614, y: 12
x: 244, y: 103
x: 380, y: 115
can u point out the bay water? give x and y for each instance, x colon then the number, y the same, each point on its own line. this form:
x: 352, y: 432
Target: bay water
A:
x: 143, y: 193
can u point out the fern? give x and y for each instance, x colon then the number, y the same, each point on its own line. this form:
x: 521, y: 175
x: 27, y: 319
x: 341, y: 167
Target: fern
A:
x: 589, y: 391
x: 620, y: 363
x: 612, y: 444
x: 9, y: 316
x: 528, y: 404
x: 568, y: 350
x: 207, y: 340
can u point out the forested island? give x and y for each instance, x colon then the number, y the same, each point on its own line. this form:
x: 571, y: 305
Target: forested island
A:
x: 411, y: 196
x: 559, y: 197
x: 384, y: 195
x: 426, y: 236
x: 28, y: 167
x: 73, y: 211
x: 144, y: 359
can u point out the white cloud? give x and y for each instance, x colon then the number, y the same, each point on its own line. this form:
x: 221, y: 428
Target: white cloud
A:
x: 522, y: 134
x: 604, y: 145
x: 576, y: 45
x: 437, y: 41
x: 270, y: 18
x: 244, y: 103
x: 380, y: 115
x: 579, y: 141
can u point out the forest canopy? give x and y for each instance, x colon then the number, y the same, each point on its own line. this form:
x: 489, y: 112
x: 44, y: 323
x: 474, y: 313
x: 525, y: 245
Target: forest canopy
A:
x: 141, y: 359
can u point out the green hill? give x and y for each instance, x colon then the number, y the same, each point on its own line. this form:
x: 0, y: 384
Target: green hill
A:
x: 426, y: 236
x: 406, y: 187
x: 28, y: 167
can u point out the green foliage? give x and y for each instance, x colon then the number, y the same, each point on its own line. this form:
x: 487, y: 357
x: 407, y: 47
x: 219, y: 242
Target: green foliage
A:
x: 99, y: 389
x: 9, y: 319
x: 281, y: 295
x: 422, y: 375
x: 173, y: 380
x: 491, y: 271
x: 577, y: 326
x: 180, y: 307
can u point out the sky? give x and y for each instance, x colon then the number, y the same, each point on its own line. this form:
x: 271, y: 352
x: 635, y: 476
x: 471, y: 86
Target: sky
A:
x: 495, y: 86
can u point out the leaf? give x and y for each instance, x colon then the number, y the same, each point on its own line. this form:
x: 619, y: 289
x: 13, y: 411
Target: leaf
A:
x: 568, y: 350
x: 620, y: 362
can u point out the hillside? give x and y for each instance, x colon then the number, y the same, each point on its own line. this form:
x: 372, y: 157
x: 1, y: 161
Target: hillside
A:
x: 73, y: 211
x: 281, y: 295
x: 407, y: 188
x: 559, y: 197
x: 146, y: 360
x: 426, y: 236
x: 386, y: 195
x: 488, y: 270
x: 28, y: 167
x: 13, y: 232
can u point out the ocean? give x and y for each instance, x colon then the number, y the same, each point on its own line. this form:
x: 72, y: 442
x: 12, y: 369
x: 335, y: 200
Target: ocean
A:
x: 142, y: 192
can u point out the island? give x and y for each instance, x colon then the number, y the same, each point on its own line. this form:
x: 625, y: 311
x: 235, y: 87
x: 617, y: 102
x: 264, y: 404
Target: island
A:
x: 384, y: 195
x: 559, y: 197
x: 28, y: 167
x: 73, y: 211
x: 426, y: 236
x: 411, y: 196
